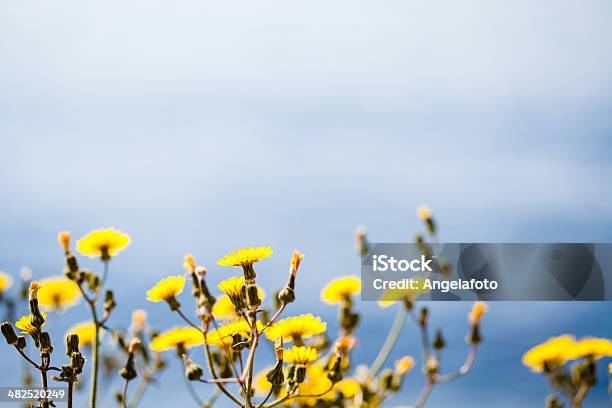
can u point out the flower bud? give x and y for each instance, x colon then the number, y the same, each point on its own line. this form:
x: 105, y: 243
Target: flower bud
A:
x: 109, y: 301
x: 474, y: 336
x: 478, y: 310
x: 45, y: 342
x: 439, y: 342
x: 9, y: 333
x: 362, y: 243
x: 64, y: 239
x: 386, y: 380
x: 134, y: 345
x: 252, y: 296
x: 77, y: 362
x: 278, y: 349
x: 128, y: 372
x: 335, y: 374
x: 72, y: 267
x: 21, y: 342
x: 423, y: 317
x: 190, y: 263
x: 276, y: 376
x: 300, y: 374
x: 72, y: 344
x: 193, y: 372
x: 404, y: 365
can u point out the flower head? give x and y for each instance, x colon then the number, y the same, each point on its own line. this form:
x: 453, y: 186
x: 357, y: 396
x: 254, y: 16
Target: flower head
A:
x: 552, y: 352
x: 301, y: 355
x: 64, y: 239
x: 27, y: 326
x: 594, y: 347
x: 166, y: 289
x: 104, y: 243
x: 424, y: 213
x: 6, y: 281
x: 190, y: 263
x: 232, y: 287
x: 57, y: 293
x: 86, y: 332
x: 245, y: 256
x: 296, y: 259
x: 33, y: 290
x: 390, y: 296
x: 404, y: 364
x: 184, y: 336
x: 302, y: 326
x: 224, y: 334
x: 341, y: 289
x: 224, y: 308
x: 479, y: 309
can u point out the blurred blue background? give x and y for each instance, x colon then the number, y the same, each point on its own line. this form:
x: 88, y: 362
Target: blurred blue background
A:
x: 204, y: 126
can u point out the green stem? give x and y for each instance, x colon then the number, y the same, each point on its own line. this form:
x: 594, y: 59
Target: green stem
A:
x: 95, y: 357
x: 70, y: 387
x: 213, y: 373
x: 124, y: 394
x: 43, y: 373
x: 390, y: 341
x: 192, y: 392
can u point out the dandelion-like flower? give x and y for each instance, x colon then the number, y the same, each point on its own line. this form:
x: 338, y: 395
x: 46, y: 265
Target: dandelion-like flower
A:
x: 86, y: 332
x: 340, y: 289
x: 104, y: 243
x: 232, y: 287
x: 404, y: 364
x: 27, y: 326
x: 166, y: 289
x: 390, y: 296
x: 6, y: 281
x: 301, y: 355
x: 479, y: 309
x: 297, y: 327
x: 245, y: 256
x: 224, y: 334
x: 552, y: 352
x: 594, y: 347
x: 183, y: 336
x: 224, y: 308
x: 58, y: 293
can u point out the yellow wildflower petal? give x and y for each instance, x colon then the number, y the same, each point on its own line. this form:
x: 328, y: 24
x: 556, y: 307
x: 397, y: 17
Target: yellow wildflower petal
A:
x: 26, y: 326
x: 302, y: 326
x: 170, y: 339
x: 103, y: 242
x: 166, y: 289
x: 404, y: 364
x: 341, y: 289
x: 6, y: 281
x: 301, y: 355
x: 58, y: 292
x: 245, y: 256
x: 479, y: 309
x: 86, y: 332
x: 224, y: 308
x: 553, y: 351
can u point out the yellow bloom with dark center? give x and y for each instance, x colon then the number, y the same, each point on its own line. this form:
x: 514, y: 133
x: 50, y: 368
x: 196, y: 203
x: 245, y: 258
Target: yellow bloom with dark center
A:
x: 185, y: 336
x: 224, y: 334
x: 390, y: 296
x: 245, y: 256
x: 590, y: 347
x: 404, y: 364
x: 26, y: 325
x: 6, y: 281
x: 301, y: 355
x: 552, y: 352
x: 86, y: 332
x: 58, y: 292
x: 105, y: 242
x: 166, y: 289
x: 302, y: 326
x: 479, y: 309
x: 341, y: 289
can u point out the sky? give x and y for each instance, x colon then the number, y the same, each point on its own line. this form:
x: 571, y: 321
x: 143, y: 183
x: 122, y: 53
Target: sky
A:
x: 202, y: 127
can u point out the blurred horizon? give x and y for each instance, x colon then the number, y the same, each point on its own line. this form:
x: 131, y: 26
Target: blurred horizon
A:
x: 201, y: 127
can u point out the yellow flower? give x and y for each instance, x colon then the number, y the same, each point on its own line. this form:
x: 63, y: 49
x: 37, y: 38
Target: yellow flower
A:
x: 185, y: 336
x: 552, y: 352
x: 348, y: 387
x: 223, y: 335
x: 423, y: 212
x: 33, y: 290
x: 590, y: 346
x: 26, y: 325
x: 57, y: 292
x: 166, y: 289
x: 404, y: 364
x: 232, y: 287
x: 245, y: 256
x: 86, y: 332
x: 316, y: 383
x: 224, y: 308
x: 190, y: 263
x: 391, y: 296
x: 479, y: 309
x: 302, y: 326
x: 104, y: 243
x: 6, y: 281
x: 340, y: 289
x: 301, y: 355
